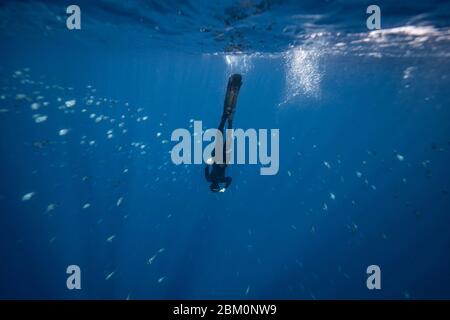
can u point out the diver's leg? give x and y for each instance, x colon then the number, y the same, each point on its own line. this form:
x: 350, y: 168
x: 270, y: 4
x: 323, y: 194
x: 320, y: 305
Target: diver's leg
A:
x: 222, y: 123
x: 230, y: 124
x: 220, y: 128
x: 229, y: 106
x: 228, y: 137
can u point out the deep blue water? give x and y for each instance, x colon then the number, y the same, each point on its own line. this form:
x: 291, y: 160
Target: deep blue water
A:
x: 364, y: 150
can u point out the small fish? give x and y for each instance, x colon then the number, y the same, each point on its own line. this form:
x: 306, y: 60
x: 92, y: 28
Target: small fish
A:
x: 109, y: 276
x: 28, y: 196
x: 150, y: 260
x: 40, y: 119
x: 51, y: 207
x: 70, y: 103
x: 161, y: 279
x: 63, y: 132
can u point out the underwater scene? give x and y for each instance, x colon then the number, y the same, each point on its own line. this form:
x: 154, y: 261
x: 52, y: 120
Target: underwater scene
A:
x: 110, y: 182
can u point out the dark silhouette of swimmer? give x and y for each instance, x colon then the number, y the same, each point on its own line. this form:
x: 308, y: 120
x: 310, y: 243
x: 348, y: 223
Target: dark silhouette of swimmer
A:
x: 215, y: 172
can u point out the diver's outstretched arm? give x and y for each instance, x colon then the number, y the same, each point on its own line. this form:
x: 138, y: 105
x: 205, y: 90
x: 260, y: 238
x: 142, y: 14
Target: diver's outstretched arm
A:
x: 227, y: 182
x: 207, y: 174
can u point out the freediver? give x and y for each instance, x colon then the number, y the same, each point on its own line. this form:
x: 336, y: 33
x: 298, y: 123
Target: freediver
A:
x: 215, y: 172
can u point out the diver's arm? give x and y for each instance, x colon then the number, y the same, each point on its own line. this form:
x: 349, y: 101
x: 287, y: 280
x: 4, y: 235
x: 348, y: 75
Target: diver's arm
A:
x: 207, y: 174
x: 227, y: 182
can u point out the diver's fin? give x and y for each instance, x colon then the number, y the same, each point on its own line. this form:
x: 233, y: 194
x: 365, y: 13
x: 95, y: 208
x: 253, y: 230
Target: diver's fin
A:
x: 229, y: 106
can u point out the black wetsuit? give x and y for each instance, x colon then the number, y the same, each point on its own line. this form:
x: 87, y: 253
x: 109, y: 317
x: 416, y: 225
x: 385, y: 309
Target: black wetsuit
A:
x: 217, y: 173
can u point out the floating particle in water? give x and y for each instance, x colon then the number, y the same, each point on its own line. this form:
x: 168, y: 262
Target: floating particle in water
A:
x: 406, y: 295
x: 125, y: 170
x: 109, y: 276
x: 63, y: 132
x: 247, y: 291
x: 111, y: 238
x: 293, y: 227
x: 40, y: 118
x: 400, y: 157
x: 35, y: 106
x: 160, y: 280
x: 20, y: 96
x: 86, y: 205
x: 158, y: 134
x: 161, y: 250
x: 326, y: 164
x: 325, y: 207
x: 313, y: 229
x: 28, y: 196
x: 3, y: 110
x: 70, y: 103
x: 289, y: 173
x: 119, y: 201
x: 358, y: 174
x: 332, y: 196
x: 164, y: 141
